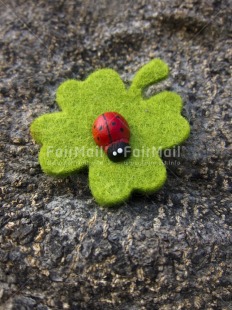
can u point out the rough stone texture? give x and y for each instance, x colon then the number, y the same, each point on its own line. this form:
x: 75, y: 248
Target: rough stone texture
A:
x: 171, y: 250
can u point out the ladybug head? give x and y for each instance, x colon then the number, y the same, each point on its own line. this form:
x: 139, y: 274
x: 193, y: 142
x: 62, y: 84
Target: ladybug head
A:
x: 119, y: 151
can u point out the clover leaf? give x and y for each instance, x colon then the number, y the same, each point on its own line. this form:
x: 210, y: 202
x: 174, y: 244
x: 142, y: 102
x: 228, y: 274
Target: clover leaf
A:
x: 155, y: 123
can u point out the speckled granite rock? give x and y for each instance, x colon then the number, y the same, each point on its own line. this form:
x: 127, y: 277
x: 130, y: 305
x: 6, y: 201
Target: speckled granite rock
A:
x: 171, y: 250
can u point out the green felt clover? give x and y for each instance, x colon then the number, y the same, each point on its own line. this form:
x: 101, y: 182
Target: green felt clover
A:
x: 155, y: 123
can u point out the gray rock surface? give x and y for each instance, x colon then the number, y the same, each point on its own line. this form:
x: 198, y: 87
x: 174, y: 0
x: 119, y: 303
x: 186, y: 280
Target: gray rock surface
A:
x: 170, y: 250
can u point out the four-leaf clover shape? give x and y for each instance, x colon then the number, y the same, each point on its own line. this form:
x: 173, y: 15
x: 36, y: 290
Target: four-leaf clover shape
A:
x: 155, y: 124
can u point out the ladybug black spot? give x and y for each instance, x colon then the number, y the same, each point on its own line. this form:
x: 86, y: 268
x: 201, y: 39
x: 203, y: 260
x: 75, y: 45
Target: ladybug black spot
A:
x: 94, y: 126
x: 121, y: 129
x: 98, y: 138
x: 100, y: 128
x: 117, y: 116
x: 113, y: 123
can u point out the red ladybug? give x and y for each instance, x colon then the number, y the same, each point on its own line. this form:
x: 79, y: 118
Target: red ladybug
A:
x: 111, y: 132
